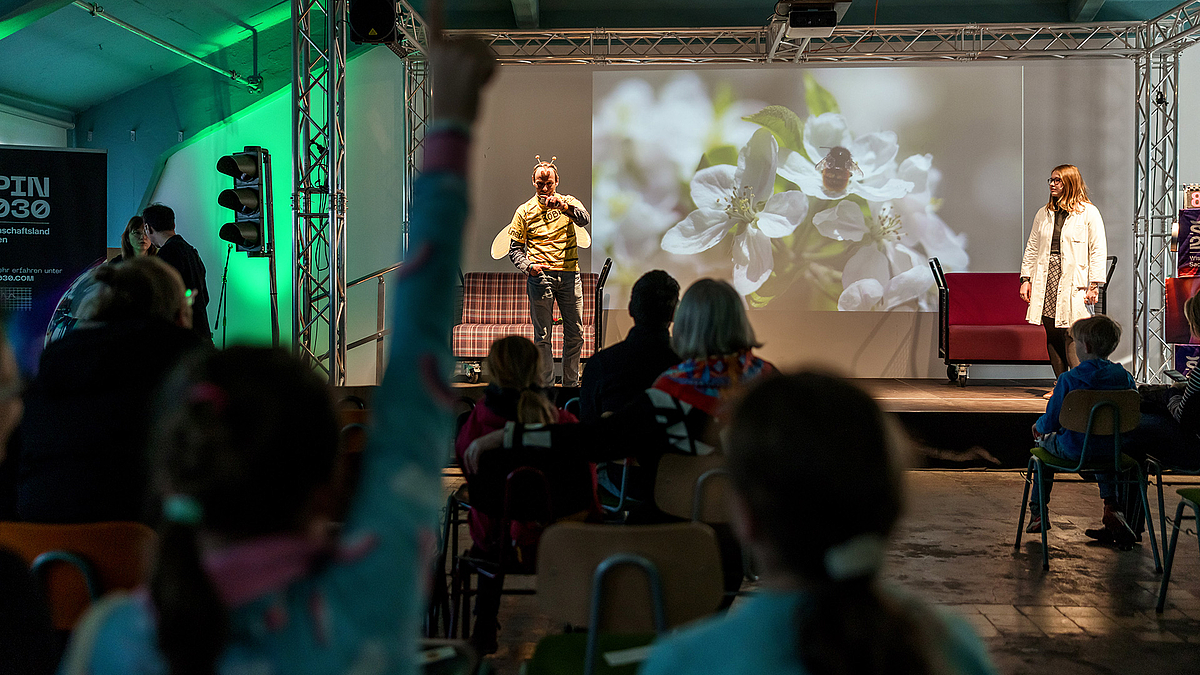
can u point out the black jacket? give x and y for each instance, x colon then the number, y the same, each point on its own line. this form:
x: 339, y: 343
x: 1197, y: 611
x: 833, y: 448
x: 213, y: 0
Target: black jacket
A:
x: 181, y: 255
x: 616, y: 375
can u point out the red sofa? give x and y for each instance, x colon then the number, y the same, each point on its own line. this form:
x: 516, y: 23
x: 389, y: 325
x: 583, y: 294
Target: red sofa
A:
x: 981, y: 319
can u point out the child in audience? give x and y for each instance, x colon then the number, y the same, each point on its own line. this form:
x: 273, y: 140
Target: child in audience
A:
x: 248, y: 577
x: 515, y: 395
x: 1095, y: 339
x: 813, y: 443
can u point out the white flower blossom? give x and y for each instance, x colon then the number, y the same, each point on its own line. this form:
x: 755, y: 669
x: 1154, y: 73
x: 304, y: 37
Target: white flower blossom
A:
x: 920, y: 222
x: 873, y: 154
x: 885, y: 273
x: 740, y: 201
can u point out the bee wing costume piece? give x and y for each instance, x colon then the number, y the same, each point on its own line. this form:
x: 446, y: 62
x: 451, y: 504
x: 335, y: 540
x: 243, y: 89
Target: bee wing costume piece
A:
x: 503, y: 241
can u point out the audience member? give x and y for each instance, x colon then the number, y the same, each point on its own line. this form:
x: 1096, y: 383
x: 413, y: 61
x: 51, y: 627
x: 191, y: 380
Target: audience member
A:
x: 1095, y: 338
x: 26, y: 637
x: 812, y: 443
x: 247, y: 578
x: 83, y: 438
x: 1170, y: 429
x: 513, y: 368
x: 135, y: 242
x: 615, y: 376
x: 174, y: 250
x: 714, y: 336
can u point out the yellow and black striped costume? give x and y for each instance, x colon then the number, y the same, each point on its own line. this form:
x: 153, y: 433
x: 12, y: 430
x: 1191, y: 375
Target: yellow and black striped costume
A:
x: 542, y: 236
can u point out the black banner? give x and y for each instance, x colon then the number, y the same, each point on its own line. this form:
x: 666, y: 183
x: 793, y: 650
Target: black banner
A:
x: 53, y: 207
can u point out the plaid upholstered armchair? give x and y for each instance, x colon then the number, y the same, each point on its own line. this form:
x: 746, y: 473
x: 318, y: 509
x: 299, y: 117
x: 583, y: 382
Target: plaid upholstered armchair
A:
x: 495, y: 305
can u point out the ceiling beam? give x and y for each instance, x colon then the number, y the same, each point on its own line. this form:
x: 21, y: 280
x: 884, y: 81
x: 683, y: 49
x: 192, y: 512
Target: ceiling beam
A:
x: 526, y: 12
x: 1083, y: 10
x: 27, y: 13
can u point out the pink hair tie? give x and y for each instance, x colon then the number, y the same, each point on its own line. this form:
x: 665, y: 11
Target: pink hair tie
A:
x: 207, y: 392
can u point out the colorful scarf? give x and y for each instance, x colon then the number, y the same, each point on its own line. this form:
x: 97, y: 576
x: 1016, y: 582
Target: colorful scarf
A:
x: 702, y: 382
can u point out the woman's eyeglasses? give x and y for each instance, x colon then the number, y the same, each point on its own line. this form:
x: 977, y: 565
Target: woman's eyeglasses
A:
x: 1054, y: 181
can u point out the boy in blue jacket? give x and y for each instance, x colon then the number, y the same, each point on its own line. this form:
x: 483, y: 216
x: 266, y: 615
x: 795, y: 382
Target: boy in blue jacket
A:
x: 1095, y: 339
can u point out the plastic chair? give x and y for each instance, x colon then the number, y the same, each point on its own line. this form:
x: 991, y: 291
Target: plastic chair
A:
x: 695, y: 487
x: 637, y: 579
x: 80, y: 563
x: 1093, y: 412
x: 1159, y: 470
x: 1189, y: 498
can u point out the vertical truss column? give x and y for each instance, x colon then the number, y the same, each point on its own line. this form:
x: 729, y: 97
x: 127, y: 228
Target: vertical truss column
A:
x: 319, y: 177
x: 418, y: 100
x: 1155, y: 191
x: 418, y: 106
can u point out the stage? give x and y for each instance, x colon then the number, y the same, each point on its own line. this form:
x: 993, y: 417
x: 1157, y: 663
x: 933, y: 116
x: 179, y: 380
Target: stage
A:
x: 983, y: 425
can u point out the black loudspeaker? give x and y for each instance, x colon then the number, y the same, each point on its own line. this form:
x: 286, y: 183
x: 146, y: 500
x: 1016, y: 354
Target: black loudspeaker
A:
x: 372, y: 21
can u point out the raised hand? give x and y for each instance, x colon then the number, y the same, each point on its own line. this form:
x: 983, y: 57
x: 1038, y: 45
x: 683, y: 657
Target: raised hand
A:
x: 460, y: 69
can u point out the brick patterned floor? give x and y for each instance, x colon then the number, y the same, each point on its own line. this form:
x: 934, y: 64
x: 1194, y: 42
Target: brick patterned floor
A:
x: 1093, y: 612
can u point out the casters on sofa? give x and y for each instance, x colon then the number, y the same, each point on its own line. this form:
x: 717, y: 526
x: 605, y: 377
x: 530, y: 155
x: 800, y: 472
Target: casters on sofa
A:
x: 957, y: 373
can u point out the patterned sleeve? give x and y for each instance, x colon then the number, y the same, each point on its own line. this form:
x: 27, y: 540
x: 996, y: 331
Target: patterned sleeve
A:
x: 578, y: 214
x: 1178, y: 404
x: 518, y: 232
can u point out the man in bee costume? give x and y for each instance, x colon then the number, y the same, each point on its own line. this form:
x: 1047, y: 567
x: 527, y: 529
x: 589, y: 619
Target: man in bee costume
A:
x: 543, y: 246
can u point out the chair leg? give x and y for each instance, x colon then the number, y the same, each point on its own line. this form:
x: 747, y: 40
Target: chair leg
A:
x: 1141, y: 488
x: 1170, y: 558
x: 1045, y: 516
x: 1024, y: 505
x: 1162, y: 508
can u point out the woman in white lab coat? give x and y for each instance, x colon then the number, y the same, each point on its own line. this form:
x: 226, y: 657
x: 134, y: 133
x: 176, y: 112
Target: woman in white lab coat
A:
x: 1064, y: 264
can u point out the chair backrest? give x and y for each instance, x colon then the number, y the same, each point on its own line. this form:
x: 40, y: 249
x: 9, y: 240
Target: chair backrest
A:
x: 685, y: 554
x: 695, y: 487
x: 1078, y: 405
x: 115, y: 555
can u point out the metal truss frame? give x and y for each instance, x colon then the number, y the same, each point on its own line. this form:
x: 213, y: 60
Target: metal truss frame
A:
x: 768, y: 44
x: 319, y: 180
x: 1154, y: 46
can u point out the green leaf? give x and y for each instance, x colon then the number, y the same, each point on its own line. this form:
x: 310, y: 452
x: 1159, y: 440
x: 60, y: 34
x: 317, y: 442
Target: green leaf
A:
x: 818, y: 98
x: 785, y: 124
x: 725, y: 154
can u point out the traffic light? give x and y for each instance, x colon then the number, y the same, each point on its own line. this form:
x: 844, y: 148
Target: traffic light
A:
x: 250, y: 199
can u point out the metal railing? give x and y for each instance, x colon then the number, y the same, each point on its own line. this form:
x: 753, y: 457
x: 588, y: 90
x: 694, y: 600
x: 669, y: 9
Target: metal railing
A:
x: 380, y: 312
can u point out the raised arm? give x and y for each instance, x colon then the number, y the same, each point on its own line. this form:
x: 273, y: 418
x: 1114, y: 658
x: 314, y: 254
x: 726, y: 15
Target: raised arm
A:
x: 389, y: 534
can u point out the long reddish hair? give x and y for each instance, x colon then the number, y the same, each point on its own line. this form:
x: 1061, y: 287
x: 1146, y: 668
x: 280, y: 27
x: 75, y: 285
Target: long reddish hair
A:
x: 1074, y: 191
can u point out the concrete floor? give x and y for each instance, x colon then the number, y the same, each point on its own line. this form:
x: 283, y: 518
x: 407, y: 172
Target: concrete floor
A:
x: 1093, y: 612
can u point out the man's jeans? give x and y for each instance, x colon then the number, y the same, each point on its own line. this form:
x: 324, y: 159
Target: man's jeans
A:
x: 1107, y: 480
x: 544, y: 290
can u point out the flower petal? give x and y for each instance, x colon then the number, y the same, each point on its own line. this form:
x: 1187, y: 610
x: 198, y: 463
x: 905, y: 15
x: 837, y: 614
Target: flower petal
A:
x: 783, y: 213
x: 915, y: 170
x: 907, y: 286
x: 752, y: 261
x: 893, y: 189
x: 712, y: 186
x: 842, y: 222
x: 874, y: 152
x: 805, y: 175
x: 756, y: 166
x: 866, y: 263
x: 861, y: 296
x: 823, y: 132
x: 700, y: 231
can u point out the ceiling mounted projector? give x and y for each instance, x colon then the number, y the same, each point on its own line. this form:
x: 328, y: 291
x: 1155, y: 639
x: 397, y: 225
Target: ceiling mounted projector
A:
x: 814, y: 19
